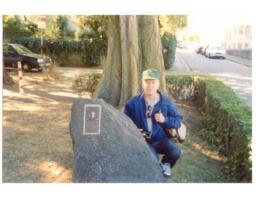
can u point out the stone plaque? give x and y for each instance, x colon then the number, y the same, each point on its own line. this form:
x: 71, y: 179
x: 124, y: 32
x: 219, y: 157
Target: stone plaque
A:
x: 92, y: 119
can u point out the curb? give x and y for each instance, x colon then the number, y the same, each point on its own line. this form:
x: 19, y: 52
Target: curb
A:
x: 235, y: 61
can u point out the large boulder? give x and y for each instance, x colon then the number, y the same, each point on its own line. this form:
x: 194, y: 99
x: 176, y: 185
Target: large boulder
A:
x: 118, y: 154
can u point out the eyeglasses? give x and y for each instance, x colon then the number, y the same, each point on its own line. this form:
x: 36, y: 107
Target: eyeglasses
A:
x: 149, y: 109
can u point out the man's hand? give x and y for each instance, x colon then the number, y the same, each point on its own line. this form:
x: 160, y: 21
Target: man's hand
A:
x: 144, y: 134
x: 159, y: 117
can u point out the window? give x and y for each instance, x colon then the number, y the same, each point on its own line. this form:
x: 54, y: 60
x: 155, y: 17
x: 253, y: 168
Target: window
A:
x: 235, y: 31
x: 241, y: 30
x: 240, y: 45
x: 247, y: 30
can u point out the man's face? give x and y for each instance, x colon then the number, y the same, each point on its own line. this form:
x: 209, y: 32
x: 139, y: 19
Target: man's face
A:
x: 150, y: 86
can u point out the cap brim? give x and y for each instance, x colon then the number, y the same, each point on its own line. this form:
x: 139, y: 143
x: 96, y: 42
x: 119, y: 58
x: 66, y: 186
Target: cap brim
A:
x: 150, y: 78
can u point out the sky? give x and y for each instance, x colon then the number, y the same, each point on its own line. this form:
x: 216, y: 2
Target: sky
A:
x: 211, y: 28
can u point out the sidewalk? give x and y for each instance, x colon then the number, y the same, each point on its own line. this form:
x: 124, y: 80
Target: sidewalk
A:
x: 180, y: 65
x: 239, y: 60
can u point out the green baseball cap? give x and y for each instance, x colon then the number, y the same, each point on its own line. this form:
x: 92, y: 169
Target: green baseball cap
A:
x: 151, y: 74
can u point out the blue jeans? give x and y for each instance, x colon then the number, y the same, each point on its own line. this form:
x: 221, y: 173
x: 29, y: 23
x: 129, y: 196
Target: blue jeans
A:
x: 168, y: 148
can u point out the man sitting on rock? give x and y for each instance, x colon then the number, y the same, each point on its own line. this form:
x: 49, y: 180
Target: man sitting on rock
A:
x: 152, y: 112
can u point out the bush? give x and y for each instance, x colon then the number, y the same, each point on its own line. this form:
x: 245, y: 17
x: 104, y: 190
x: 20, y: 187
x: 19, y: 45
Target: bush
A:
x: 229, y: 120
x: 89, y: 51
x: 7, y: 79
x: 169, y: 44
x: 181, y: 88
x: 86, y: 83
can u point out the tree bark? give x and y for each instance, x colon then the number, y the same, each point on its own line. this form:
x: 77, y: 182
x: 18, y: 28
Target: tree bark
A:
x: 151, y: 46
x: 134, y: 45
x: 110, y: 85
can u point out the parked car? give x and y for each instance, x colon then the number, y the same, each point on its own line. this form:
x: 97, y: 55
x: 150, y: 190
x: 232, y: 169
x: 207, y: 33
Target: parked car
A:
x: 215, y: 51
x: 204, y: 50
x: 12, y: 53
x: 181, y: 46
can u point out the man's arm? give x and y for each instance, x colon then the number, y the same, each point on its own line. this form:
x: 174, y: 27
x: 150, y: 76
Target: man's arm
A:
x: 127, y: 110
x: 174, y: 118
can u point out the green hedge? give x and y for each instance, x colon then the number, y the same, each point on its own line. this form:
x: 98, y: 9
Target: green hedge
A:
x: 87, y: 52
x: 229, y: 120
x: 169, y: 44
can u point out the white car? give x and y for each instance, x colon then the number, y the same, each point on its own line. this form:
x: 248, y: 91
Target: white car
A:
x: 215, y: 51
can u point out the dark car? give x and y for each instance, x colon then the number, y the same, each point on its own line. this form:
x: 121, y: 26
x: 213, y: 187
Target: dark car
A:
x: 12, y: 53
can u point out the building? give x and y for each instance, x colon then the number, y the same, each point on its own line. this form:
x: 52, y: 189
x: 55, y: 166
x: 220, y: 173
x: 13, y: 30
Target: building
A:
x: 238, y: 40
x: 238, y: 37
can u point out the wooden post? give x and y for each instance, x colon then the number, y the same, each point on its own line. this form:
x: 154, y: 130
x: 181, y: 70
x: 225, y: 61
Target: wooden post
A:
x: 20, y: 78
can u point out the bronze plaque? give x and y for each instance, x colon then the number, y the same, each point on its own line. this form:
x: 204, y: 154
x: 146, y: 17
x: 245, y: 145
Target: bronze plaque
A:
x: 92, y: 119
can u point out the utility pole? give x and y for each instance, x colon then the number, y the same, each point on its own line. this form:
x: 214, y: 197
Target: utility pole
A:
x: 41, y: 26
x: 42, y: 41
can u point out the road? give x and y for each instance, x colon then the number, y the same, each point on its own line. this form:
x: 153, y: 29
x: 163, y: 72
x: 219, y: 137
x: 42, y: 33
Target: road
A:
x: 237, y: 76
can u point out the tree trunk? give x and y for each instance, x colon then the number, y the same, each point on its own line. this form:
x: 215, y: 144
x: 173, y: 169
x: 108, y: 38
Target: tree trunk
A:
x: 134, y: 45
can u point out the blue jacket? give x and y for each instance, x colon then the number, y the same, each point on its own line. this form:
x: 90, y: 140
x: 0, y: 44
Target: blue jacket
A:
x: 135, y: 108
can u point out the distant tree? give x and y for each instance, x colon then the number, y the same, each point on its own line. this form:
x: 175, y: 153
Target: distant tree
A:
x: 31, y: 27
x: 62, y: 26
x: 171, y: 23
x: 52, y: 30
x: 194, y: 37
x: 14, y: 26
x: 94, y: 26
x: 64, y: 31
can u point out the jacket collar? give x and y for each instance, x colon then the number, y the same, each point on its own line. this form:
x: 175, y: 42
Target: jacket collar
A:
x: 143, y: 99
